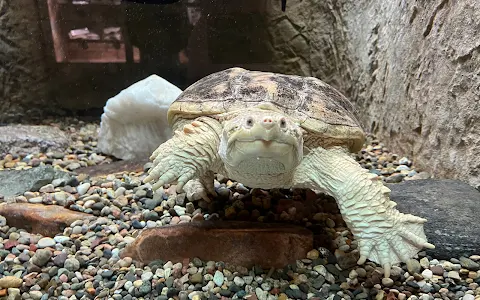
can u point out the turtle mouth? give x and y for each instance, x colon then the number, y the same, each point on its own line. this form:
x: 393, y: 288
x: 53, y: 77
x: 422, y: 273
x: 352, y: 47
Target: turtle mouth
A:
x: 261, y: 156
x: 263, y: 148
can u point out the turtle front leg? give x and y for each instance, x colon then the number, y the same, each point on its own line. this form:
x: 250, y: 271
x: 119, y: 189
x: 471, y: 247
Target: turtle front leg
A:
x: 190, y: 153
x: 200, y: 188
x: 385, y: 235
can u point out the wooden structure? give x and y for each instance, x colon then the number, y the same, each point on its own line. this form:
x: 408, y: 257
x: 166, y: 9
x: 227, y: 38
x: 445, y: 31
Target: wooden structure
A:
x: 90, y: 31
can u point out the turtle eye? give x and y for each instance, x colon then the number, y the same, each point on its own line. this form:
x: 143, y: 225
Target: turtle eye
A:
x: 249, y: 122
x: 283, y: 123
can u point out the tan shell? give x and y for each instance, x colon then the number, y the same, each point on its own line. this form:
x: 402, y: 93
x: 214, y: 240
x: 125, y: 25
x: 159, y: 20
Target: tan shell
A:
x: 320, y: 109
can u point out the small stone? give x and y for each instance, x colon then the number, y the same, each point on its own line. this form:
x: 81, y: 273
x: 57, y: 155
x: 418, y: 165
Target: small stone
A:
x: 137, y: 283
x: 218, y: 278
x: 313, y: 254
x: 83, y: 188
x: 35, y: 295
x: 60, y: 259
x: 46, y: 242
x: 427, y: 274
x: 41, y: 257
x: 238, y: 281
x: 10, y: 282
x: 196, y: 278
x: 248, y: 279
x: 396, y: 178
x: 61, y: 239
x: 330, y: 223
x: 437, y: 270
x: 424, y: 263
x: 147, y: 276
x: 190, y: 208
x: 469, y: 264
x: 361, y: 272
x: 13, y: 294
x: 413, y: 266
x: 72, y: 264
x: 49, y: 188
x: 388, y: 282
x: 454, y: 275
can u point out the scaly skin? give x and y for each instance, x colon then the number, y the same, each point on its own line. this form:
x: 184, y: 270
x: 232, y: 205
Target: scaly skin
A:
x: 385, y: 235
x: 201, y: 188
x: 190, y: 154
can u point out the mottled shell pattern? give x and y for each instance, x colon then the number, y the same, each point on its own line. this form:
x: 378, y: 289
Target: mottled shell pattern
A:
x: 323, y: 112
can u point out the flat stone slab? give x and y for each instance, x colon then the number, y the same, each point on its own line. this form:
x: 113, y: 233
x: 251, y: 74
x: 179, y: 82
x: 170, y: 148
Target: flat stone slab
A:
x: 452, y: 208
x: 47, y: 220
x: 32, y: 139
x: 135, y: 165
x: 17, y: 182
x: 239, y: 243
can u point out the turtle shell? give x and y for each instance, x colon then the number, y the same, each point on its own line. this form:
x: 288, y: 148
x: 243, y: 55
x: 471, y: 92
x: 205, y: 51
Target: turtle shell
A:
x: 325, y: 114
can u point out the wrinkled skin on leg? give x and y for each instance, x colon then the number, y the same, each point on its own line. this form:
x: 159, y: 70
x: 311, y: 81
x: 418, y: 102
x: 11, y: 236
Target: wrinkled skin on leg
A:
x: 201, y: 188
x: 385, y: 235
x: 190, y: 154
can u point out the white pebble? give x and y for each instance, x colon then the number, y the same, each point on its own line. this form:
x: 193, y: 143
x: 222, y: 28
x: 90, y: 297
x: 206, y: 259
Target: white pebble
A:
x: 353, y: 274
x: 218, y: 278
x: 427, y: 274
x: 82, y: 189
x: 151, y: 224
x: 35, y: 200
x: 128, y: 239
x: 238, y: 281
x: 61, y: 239
x: 46, y: 242
x: 248, y: 279
x: 468, y: 297
x: 146, y: 276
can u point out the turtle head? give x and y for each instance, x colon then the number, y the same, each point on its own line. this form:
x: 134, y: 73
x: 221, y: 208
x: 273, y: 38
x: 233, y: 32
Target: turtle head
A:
x: 261, y: 141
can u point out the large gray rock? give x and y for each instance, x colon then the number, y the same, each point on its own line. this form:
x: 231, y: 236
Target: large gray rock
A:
x: 411, y: 67
x: 452, y: 208
x: 17, y: 182
x: 32, y: 139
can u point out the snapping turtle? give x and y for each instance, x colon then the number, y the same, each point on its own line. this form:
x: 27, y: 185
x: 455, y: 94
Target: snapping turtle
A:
x: 270, y: 130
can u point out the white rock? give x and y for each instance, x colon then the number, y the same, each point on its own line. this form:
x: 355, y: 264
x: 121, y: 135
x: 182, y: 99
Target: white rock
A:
x: 61, y: 239
x: 238, y: 281
x: 134, y: 122
x: 46, y: 242
x: 468, y: 297
x: 427, y: 274
x: 82, y: 189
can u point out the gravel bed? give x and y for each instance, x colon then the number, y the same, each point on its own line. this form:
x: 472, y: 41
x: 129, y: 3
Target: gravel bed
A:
x: 83, y: 262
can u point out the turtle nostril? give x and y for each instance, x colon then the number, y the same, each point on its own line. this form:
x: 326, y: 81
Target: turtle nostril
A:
x: 267, y: 120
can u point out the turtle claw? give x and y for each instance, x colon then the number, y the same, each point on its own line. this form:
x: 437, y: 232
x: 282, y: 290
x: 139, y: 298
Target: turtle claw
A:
x: 197, y: 189
x: 396, y: 244
x: 169, y: 166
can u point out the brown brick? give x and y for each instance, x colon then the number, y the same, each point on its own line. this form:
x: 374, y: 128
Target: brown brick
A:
x: 239, y: 243
x: 47, y: 220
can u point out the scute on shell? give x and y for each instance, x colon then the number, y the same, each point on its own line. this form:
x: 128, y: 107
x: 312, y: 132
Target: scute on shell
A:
x: 321, y: 110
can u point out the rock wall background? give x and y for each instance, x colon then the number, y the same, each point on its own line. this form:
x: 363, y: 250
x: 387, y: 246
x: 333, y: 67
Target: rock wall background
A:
x: 411, y: 67
x: 23, y: 66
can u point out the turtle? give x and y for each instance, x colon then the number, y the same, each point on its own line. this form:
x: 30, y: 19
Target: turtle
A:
x: 270, y: 130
